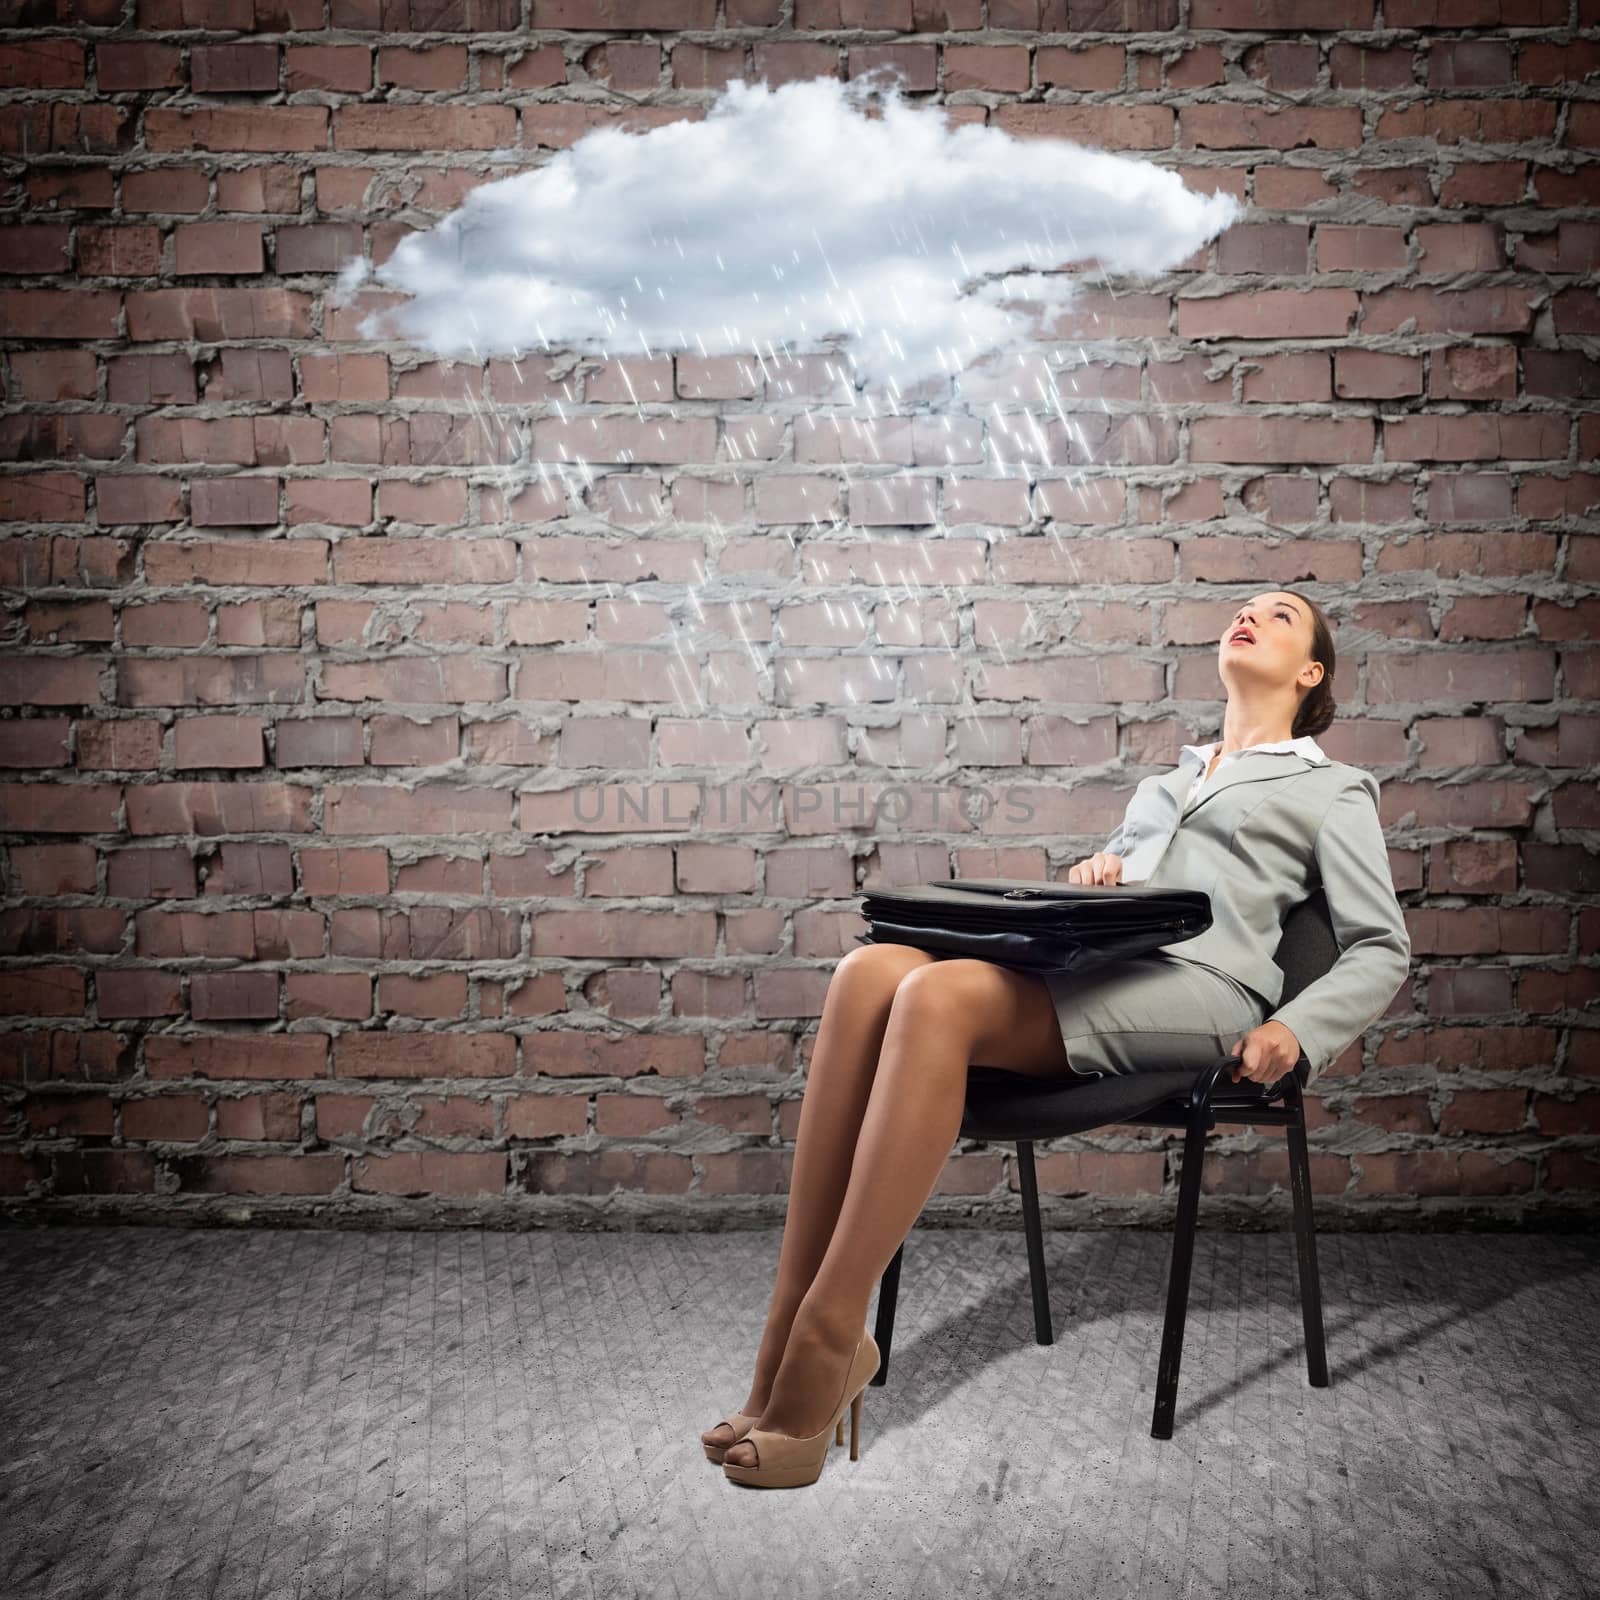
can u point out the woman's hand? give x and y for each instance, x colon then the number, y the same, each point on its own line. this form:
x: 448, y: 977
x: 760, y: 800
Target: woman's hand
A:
x: 1098, y: 868
x: 1267, y: 1053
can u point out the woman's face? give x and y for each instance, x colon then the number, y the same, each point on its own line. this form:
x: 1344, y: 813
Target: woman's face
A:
x: 1279, y: 639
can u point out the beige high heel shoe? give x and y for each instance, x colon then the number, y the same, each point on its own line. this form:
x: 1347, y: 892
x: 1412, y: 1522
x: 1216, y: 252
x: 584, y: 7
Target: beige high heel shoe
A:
x: 741, y: 1425
x: 784, y: 1462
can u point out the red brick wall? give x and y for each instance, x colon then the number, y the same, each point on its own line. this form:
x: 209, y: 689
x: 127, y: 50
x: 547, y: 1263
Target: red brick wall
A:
x: 297, y: 700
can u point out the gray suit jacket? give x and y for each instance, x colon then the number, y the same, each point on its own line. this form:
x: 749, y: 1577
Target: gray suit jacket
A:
x: 1258, y: 840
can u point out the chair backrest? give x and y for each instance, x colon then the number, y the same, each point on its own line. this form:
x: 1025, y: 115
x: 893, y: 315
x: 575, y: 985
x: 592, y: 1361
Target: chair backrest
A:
x: 1307, y: 948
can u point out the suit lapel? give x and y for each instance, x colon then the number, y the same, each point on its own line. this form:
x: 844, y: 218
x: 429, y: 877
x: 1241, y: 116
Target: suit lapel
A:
x: 1251, y: 768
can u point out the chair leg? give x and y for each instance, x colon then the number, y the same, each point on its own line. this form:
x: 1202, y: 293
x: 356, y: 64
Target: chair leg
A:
x: 1194, y: 1152
x: 883, y: 1332
x: 1305, y: 1244
x: 1031, y: 1226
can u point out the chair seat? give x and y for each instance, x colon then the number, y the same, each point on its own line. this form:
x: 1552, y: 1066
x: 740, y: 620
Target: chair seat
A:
x: 1015, y: 1105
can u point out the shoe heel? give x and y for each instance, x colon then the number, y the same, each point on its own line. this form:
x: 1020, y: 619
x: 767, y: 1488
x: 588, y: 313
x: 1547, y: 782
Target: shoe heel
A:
x: 786, y: 1463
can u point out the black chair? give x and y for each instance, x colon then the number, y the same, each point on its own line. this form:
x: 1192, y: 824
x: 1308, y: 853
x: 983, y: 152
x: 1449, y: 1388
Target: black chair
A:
x: 1006, y: 1105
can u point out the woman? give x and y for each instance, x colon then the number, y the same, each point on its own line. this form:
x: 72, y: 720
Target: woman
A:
x: 1265, y: 815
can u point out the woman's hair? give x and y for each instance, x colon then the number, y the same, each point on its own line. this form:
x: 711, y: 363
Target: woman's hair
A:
x: 1318, y: 708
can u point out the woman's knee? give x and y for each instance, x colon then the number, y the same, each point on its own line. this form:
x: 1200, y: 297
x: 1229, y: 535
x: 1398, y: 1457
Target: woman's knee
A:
x: 998, y: 1017
x: 878, y: 969
x: 862, y: 987
x: 938, y: 995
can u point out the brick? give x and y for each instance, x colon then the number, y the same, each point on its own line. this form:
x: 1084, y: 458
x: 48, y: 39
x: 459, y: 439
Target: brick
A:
x: 259, y: 188
x: 233, y: 502
x: 428, y: 1172
x: 219, y: 742
x: 423, y: 127
x: 1107, y: 126
x: 227, y: 1056
x: 218, y: 313
x: 104, y: 1172
x: 1454, y: 121
x: 136, y: 64
x: 1092, y: 68
x: 316, y: 247
x: 136, y: 500
x: 1257, y: 14
x: 544, y: 1116
x: 425, y: 1055
x: 435, y: 67
x: 1360, y: 247
x: 1505, y: 308
x: 180, y: 1118
x: 65, y: 1116
x: 1375, y: 374
x: 54, y: 374
x: 35, y: 249
x: 1473, y: 372
x: 1281, y: 439
x: 1269, y: 314
x: 1478, y: 437
x: 1288, y: 378
x: 1240, y: 125
x: 1354, y: 66
x: 341, y: 68
x: 52, y: 680
x: 1069, y: 1173
x: 137, y: 993
x: 263, y: 130
x: 233, y: 68
x: 171, y: 190
x: 310, y: 1173
x: 270, y: 1117
x: 1264, y: 247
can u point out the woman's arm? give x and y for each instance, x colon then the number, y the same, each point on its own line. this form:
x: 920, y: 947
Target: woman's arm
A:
x: 1113, y: 845
x: 1109, y: 856
x: 1117, y: 844
x: 1368, y: 926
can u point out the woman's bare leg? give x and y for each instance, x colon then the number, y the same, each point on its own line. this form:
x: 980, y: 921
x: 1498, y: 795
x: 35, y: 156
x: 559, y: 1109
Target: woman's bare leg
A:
x: 944, y: 1017
x: 855, y: 1013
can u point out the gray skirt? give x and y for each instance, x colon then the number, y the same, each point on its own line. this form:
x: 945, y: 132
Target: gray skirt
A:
x: 1149, y: 1013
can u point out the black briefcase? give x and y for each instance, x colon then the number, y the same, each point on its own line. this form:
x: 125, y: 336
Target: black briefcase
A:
x: 1036, y: 927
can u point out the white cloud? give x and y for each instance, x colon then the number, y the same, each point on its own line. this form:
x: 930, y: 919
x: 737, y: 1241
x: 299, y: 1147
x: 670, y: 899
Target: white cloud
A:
x: 783, y: 216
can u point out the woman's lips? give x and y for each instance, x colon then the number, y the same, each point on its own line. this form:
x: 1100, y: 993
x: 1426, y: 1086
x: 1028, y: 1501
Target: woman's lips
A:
x: 1239, y: 639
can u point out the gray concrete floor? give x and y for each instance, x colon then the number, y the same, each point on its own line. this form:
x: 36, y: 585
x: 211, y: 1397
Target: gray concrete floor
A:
x: 279, y: 1413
